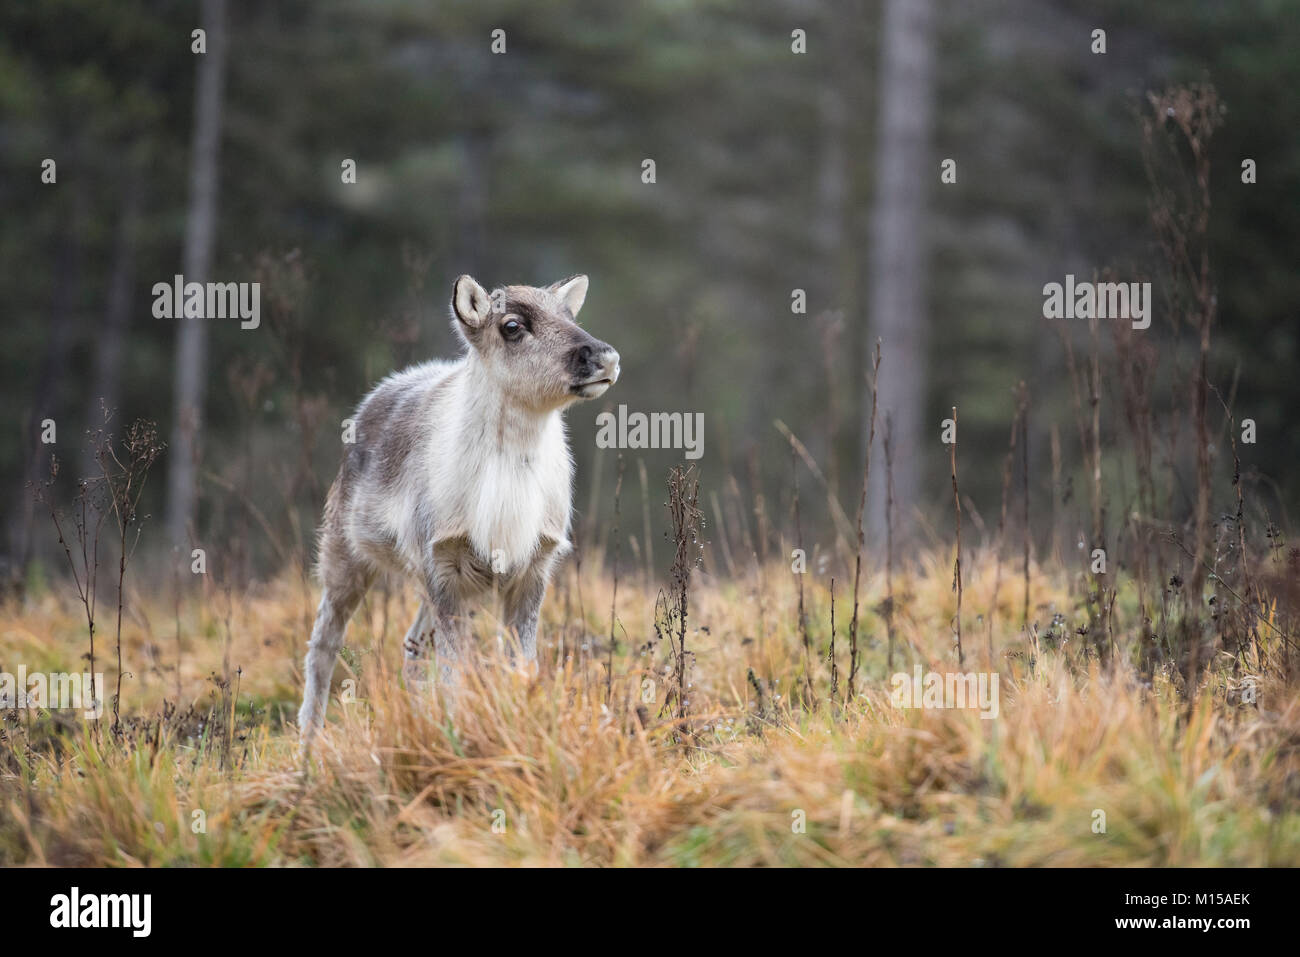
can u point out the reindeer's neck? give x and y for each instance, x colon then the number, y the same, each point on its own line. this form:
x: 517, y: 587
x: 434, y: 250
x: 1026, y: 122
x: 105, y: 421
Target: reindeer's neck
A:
x: 494, y: 421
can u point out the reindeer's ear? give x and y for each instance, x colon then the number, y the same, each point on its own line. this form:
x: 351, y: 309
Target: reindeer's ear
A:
x: 572, y: 292
x: 470, y: 304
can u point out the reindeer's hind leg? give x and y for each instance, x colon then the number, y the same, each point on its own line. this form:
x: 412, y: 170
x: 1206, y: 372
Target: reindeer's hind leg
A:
x: 346, y: 581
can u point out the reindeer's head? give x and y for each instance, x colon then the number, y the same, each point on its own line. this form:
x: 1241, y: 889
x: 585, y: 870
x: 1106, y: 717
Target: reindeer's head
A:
x: 526, y: 341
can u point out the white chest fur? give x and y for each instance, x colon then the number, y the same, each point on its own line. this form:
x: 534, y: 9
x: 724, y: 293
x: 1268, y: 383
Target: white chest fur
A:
x: 517, y: 499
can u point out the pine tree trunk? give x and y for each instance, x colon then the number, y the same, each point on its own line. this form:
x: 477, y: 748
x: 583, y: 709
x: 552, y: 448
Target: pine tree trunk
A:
x: 897, y: 286
x: 200, y: 237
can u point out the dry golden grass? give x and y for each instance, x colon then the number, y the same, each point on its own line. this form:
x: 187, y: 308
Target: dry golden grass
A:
x: 541, y: 769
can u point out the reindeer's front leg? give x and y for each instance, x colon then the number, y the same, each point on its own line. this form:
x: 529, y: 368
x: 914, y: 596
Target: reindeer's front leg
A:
x: 523, y: 602
x: 523, y: 605
x: 449, y: 639
x: 440, y: 627
x: 417, y: 646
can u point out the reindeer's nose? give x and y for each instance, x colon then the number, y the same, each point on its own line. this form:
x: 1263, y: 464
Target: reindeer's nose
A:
x: 609, y: 363
x: 594, y: 360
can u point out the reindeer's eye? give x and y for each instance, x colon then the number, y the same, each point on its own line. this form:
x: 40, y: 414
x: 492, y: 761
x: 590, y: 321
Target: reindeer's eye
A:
x: 511, y: 329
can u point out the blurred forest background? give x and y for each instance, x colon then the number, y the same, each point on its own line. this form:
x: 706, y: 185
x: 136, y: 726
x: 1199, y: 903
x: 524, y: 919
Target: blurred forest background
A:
x: 775, y: 171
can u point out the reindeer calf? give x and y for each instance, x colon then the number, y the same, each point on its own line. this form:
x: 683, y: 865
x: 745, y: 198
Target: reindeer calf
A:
x: 461, y: 479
